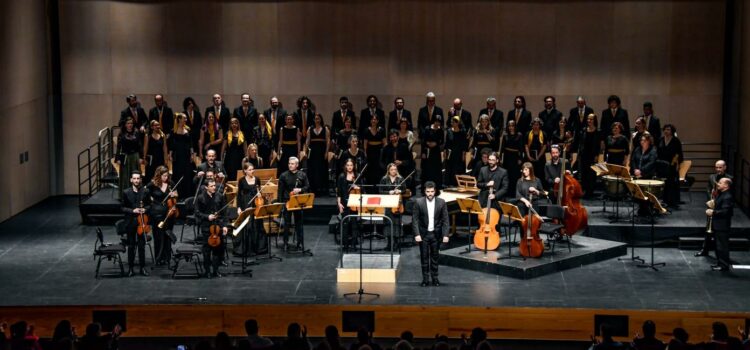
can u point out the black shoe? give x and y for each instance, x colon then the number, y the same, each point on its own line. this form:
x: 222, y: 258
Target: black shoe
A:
x: 425, y: 283
x: 436, y: 282
x: 224, y: 263
x: 217, y: 274
x: 144, y: 272
x: 719, y: 268
x: 131, y: 273
x: 207, y: 275
x: 701, y: 253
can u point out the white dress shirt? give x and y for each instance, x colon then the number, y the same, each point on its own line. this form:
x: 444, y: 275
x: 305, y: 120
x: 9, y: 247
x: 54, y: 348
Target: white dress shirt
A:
x: 430, y: 215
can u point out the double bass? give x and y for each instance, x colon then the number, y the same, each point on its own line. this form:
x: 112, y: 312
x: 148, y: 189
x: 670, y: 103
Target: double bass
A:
x: 486, y: 236
x: 576, y: 217
x: 531, y: 245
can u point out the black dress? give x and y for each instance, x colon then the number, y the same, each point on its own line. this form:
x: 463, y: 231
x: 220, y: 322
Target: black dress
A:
x: 129, y: 149
x: 589, y: 151
x: 265, y: 142
x: 234, y: 153
x: 158, y: 212
x: 207, y: 139
x: 359, y: 160
x: 480, y: 141
x: 342, y: 139
x: 536, y: 142
x: 180, y: 145
x: 288, y: 147
x: 342, y: 193
x: 616, y: 149
x: 374, y: 145
x: 431, y: 161
x: 559, y: 138
x: 456, y: 143
x: 155, y: 156
x: 254, y: 230
x: 667, y: 153
x: 522, y: 191
x: 317, y: 162
x: 512, y: 155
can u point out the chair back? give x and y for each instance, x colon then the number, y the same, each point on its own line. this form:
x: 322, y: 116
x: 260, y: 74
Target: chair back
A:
x: 99, y: 239
x: 552, y: 211
x: 121, y: 227
x: 189, y: 205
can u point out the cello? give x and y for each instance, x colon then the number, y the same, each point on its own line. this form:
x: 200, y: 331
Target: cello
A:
x: 486, y: 236
x: 531, y: 245
x: 576, y: 216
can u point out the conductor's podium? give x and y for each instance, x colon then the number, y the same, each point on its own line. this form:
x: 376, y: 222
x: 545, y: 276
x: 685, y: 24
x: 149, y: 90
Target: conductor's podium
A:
x: 375, y: 268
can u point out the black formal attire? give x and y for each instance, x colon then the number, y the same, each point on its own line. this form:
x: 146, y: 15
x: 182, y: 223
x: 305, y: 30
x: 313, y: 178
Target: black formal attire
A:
x: 179, y: 146
x: 343, y: 187
x: 500, y: 185
x: 365, y: 116
x: 374, y: 146
x: 211, y: 135
x: 536, y: 143
x: 386, y: 185
x: 165, y: 117
x: 289, y: 144
x: 635, y: 140
x: 200, y: 181
x: 653, y: 126
x: 394, y: 119
x: 140, y: 119
x: 560, y: 138
x: 132, y: 200
x: 254, y: 231
x: 550, y: 119
x: 431, y: 160
x: 288, y: 181
x: 512, y: 155
x: 432, y: 237
x: 590, y: 147
x: 222, y: 114
x: 456, y: 144
x: 163, y: 238
x: 620, y: 115
x: 400, y: 151
x: 480, y: 141
x: 129, y: 153
x: 465, y: 116
x: 304, y: 119
x: 477, y: 168
x: 522, y: 118
x: 645, y: 161
x: 552, y: 170
x: 577, y: 119
x: 248, y: 118
x: 266, y: 142
x: 317, y: 161
x: 359, y: 160
x: 337, y: 121
x: 713, y: 179
x: 206, y: 205
x: 155, y: 156
x: 426, y: 117
x: 647, y: 343
x: 522, y: 191
x: 496, y: 119
x: 721, y: 224
x: 616, y: 149
x: 342, y: 139
x: 194, y: 122
x: 277, y: 116
x: 235, y: 152
x: 666, y: 153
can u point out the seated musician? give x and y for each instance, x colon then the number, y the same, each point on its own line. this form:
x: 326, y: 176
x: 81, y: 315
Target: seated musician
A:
x: 528, y: 188
x: 209, y: 210
x: 210, y: 175
x: 492, y: 177
x: 344, y: 185
x: 643, y: 159
x: 210, y: 164
x: 397, y: 153
x: 553, y: 168
x: 392, y: 183
x: 293, y: 181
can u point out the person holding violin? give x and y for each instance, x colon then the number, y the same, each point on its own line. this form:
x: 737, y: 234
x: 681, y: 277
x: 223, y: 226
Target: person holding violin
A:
x: 393, y: 183
x: 528, y: 186
x: 553, y: 168
x: 293, y: 181
x: 344, y: 186
x: 430, y: 227
x: 492, y: 177
x: 160, y: 190
x: 135, y: 203
x: 210, y: 164
x: 209, y: 210
x: 247, y: 189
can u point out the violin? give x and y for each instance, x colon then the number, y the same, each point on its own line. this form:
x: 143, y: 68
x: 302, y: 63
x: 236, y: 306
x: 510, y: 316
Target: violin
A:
x: 357, y: 190
x: 215, y: 230
x: 406, y: 194
x: 576, y: 216
x: 171, y: 203
x: 143, y: 225
x: 486, y: 236
x: 531, y: 246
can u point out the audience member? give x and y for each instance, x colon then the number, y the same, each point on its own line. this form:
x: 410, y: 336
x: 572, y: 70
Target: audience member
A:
x: 243, y: 344
x: 605, y: 331
x: 296, y: 338
x: 223, y: 342
x: 95, y: 340
x: 679, y: 340
x: 408, y: 336
x: 3, y: 338
x: 253, y: 337
x: 648, y: 341
x: 720, y: 339
x: 332, y: 340
x: 478, y: 335
x: 63, y: 337
x: 203, y: 345
x: 364, y: 337
x: 406, y: 341
x: 22, y: 337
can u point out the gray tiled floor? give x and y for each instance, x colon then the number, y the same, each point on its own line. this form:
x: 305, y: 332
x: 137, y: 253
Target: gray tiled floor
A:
x: 45, y: 259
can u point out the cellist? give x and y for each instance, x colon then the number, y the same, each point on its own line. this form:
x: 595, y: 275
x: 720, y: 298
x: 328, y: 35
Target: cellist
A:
x: 528, y: 185
x: 495, y: 177
x: 134, y: 204
x: 553, y: 168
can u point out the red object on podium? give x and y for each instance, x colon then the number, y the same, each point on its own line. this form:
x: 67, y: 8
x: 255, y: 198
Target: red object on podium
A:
x: 373, y: 201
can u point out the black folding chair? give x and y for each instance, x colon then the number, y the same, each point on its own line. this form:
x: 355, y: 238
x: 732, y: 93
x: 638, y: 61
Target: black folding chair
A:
x: 188, y: 216
x: 552, y: 212
x: 110, y: 251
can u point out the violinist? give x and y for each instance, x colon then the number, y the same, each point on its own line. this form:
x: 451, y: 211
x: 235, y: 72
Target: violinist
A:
x: 159, y: 189
x: 492, y: 177
x: 135, y: 202
x: 210, y: 164
x: 247, y: 188
x: 528, y: 185
x: 553, y: 168
x: 293, y: 181
x: 209, y: 209
x: 344, y: 185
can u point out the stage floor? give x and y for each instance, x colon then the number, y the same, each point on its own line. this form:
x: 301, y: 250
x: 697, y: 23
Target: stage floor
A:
x: 46, y: 259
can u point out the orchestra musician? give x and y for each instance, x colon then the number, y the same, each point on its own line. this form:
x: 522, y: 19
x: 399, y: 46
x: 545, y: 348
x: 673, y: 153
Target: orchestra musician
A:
x: 344, y: 185
x: 643, y: 159
x: 247, y: 187
x: 392, y: 183
x: 456, y: 145
x: 293, y: 181
x: 158, y: 190
x: 495, y: 177
x: 553, y: 168
x: 720, y: 212
x: 135, y: 202
x: 210, y: 210
x: 210, y: 164
x: 527, y: 186
x: 263, y: 138
x: 430, y: 227
x: 720, y: 168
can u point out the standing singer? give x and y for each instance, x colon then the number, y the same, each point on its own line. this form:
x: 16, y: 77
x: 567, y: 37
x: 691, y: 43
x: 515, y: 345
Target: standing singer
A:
x: 430, y: 227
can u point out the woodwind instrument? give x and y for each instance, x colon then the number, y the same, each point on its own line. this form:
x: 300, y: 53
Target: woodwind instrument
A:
x: 710, y: 204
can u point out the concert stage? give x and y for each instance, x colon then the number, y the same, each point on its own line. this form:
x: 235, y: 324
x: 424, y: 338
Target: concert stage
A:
x: 46, y: 260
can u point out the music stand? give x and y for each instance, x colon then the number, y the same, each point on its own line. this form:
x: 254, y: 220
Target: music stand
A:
x: 269, y: 211
x: 653, y: 208
x: 301, y: 202
x: 470, y: 207
x: 635, y: 193
x: 244, y: 217
x: 513, y: 214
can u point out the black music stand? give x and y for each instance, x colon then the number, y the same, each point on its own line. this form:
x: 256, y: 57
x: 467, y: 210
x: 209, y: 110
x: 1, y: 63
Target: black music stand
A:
x: 470, y: 207
x: 514, y: 215
x: 621, y: 173
x: 654, y: 208
x: 301, y: 202
x: 245, y: 218
x: 636, y: 194
x: 269, y: 212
